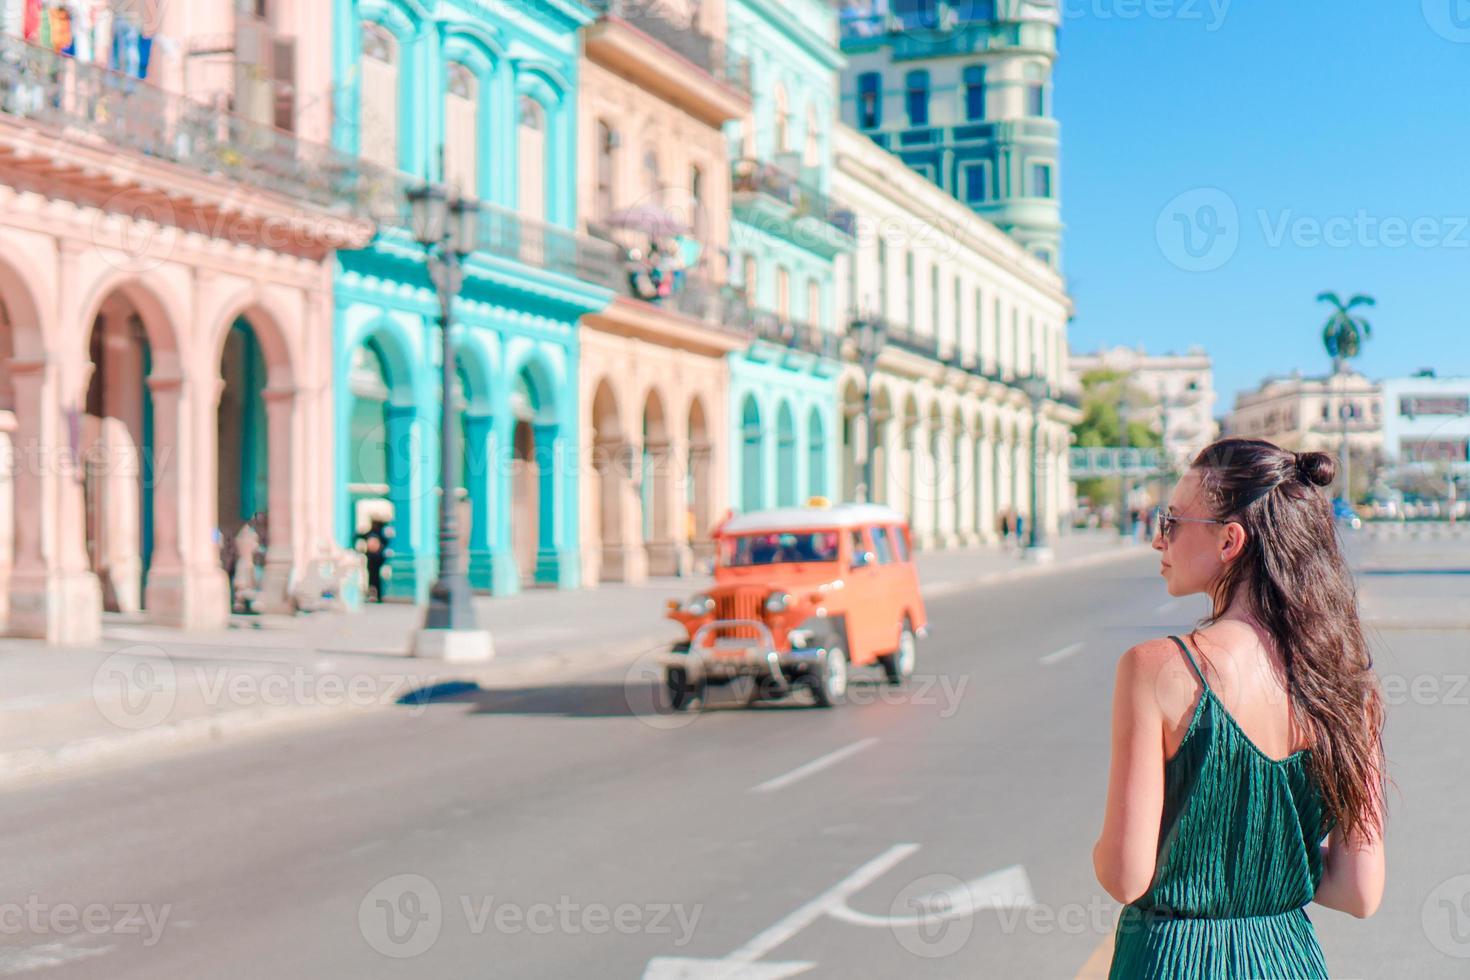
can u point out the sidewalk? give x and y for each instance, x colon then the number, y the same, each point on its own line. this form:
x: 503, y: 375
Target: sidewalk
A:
x: 147, y: 688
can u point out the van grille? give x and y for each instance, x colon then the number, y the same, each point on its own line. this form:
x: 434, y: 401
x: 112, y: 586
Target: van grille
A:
x: 739, y: 604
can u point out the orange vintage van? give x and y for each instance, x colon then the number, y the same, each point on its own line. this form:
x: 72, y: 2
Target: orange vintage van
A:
x: 801, y: 595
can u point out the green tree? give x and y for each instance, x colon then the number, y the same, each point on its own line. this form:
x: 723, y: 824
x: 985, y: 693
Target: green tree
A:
x: 1106, y: 398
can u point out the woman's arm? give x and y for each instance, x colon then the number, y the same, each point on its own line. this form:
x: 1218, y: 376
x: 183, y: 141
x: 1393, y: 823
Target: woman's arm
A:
x: 1352, y: 874
x: 1125, y: 854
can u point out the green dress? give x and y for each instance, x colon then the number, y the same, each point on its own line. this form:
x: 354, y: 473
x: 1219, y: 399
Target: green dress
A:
x: 1239, y: 858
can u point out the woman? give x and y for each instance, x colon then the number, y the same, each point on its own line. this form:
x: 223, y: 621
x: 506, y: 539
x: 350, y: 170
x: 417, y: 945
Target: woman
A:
x: 1247, y: 763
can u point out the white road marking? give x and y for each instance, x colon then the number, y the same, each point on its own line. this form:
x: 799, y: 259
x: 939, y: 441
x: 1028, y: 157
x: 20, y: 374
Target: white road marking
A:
x: 1008, y: 888
x: 45, y: 956
x: 1061, y: 654
x: 816, y: 765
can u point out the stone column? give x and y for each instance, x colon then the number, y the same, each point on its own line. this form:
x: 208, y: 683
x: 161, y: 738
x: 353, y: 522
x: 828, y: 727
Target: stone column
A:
x: 966, y: 474
x: 550, y: 523
x: 662, y: 544
x: 701, y: 468
x: 402, y: 468
x: 478, y: 431
x: 53, y: 594
x: 280, y: 558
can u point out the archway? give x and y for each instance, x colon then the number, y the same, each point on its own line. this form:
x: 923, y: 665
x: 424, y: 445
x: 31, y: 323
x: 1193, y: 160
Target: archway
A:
x: 816, y: 454
x: 533, y: 477
x: 611, y: 478
x: 130, y: 464
x: 785, y: 456
x: 963, y: 484
x: 937, y: 482
x: 699, y: 486
x: 383, y: 456
x: 242, y: 489
x: 882, y: 431
x: 752, y: 457
x: 656, y: 489
x: 856, y: 442
x: 472, y: 471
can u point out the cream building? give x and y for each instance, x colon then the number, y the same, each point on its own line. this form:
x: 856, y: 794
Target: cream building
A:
x: 657, y: 85
x: 1180, y: 389
x: 1305, y: 413
x: 969, y: 314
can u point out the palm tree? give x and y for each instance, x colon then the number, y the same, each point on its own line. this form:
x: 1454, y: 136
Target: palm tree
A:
x: 1343, y: 336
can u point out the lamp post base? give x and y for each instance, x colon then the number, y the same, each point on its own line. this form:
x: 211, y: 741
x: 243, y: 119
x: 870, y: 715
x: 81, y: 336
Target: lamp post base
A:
x: 454, y: 646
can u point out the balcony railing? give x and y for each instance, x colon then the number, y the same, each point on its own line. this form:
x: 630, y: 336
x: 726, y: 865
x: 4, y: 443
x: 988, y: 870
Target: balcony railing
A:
x: 89, y: 104
x: 685, y: 40
x: 502, y: 232
x: 758, y: 176
x: 773, y: 328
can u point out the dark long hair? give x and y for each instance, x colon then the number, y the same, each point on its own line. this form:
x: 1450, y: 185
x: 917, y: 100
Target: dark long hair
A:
x: 1293, y: 579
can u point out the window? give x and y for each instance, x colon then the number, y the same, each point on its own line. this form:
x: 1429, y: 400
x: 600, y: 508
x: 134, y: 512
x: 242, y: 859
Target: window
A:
x: 813, y: 302
x: 1015, y: 341
x: 1041, y: 180
x: 607, y: 149
x: 651, y: 182
x: 974, y: 93
x: 882, y: 277
x: 748, y: 278
x: 881, y: 546
x: 958, y: 319
x: 977, y: 183
x: 917, y: 94
x: 916, y: 13
x: 858, y: 542
x: 911, y: 288
x: 532, y: 173
x: 1035, y: 82
x: 783, y: 293
x: 900, y: 543
x: 378, y: 122
x: 934, y: 301
x: 812, y: 154
x: 697, y: 220
x: 462, y: 130
x: 783, y: 120
x: 979, y: 328
x: 870, y: 100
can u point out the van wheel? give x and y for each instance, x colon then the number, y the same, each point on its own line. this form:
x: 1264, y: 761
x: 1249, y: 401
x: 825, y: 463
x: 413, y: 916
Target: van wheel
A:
x: 828, y: 683
x: 898, y: 666
x: 681, y: 695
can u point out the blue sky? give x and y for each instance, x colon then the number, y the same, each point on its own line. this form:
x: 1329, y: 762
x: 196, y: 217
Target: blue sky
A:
x: 1338, y: 134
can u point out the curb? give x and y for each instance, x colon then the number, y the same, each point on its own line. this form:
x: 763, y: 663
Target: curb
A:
x: 73, y: 758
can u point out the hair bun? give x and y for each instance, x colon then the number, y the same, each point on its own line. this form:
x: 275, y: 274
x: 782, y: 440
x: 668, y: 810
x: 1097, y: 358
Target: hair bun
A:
x: 1317, y: 469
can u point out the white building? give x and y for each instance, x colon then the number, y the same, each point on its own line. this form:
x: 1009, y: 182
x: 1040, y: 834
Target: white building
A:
x: 1180, y: 389
x: 1306, y: 413
x: 1426, y: 422
x: 969, y: 313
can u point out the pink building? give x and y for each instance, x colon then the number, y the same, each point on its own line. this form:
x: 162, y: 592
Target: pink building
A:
x: 168, y: 217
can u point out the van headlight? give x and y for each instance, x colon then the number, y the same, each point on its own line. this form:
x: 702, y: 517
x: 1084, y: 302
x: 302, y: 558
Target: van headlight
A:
x: 777, y: 602
x: 700, y: 605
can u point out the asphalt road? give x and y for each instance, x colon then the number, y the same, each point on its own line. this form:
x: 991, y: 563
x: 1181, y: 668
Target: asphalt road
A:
x: 569, y: 831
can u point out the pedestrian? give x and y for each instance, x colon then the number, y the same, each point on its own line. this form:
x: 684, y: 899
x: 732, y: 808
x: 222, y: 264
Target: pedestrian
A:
x: 376, y: 551
x: 1248, y: 774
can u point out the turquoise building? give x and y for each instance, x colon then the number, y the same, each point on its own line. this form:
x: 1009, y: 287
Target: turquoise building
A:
x: 960, y: 90
x: 785, y: 235
x: 484, y: 97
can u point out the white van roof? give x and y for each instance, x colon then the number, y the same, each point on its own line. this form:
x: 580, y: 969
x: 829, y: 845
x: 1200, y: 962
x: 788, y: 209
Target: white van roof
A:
x: 796, y: 518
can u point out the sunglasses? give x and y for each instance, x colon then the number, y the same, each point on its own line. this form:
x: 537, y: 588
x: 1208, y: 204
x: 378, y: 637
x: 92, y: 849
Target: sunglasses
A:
x: 1164, y: 523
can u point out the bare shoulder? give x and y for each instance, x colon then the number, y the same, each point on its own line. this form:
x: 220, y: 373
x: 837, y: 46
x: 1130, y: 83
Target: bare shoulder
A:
x: 1147, y: 660
x: 1156, y: 671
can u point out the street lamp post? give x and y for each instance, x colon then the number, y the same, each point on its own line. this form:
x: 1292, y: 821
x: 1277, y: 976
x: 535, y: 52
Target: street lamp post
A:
x: 872, y: 334
x: 1037, y: 388
x: 447, y: 226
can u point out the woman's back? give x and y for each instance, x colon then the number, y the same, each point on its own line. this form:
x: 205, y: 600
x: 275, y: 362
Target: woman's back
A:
x: 1239, y: 855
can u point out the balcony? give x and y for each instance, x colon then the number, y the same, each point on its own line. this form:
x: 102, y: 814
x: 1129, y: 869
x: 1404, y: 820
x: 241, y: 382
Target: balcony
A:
x: 773, y: 328
x: 503, y: 233
x: 86, y: 128
x: 776, y: 201
x: 636, y: 39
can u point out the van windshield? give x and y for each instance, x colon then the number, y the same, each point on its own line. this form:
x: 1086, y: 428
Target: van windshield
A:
x: 778, y: 547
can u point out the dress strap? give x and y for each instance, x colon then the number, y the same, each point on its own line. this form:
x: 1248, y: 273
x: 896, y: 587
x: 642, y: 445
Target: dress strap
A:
x: 1185, y: 647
